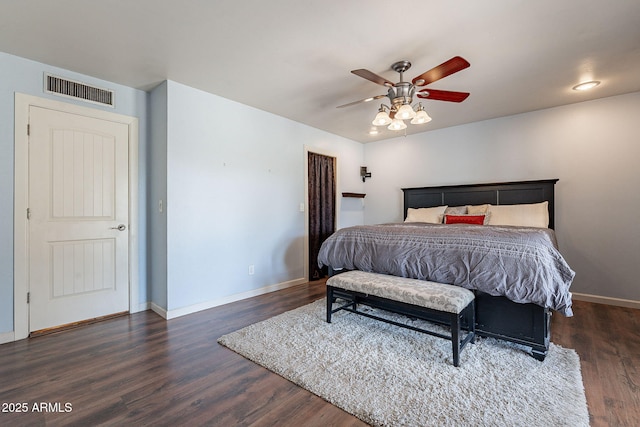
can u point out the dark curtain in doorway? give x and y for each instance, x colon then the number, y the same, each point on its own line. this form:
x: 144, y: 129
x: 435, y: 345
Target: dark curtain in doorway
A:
x: 322, y: 208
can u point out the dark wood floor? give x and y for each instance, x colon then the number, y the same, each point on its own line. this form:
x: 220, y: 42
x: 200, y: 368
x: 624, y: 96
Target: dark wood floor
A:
x: 142, y: 370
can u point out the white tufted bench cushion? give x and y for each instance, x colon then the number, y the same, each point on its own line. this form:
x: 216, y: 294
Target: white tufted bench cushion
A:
x: 436, y: 296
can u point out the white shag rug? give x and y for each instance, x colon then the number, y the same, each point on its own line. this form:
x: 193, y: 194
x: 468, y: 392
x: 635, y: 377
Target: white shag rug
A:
x: 391, y: 376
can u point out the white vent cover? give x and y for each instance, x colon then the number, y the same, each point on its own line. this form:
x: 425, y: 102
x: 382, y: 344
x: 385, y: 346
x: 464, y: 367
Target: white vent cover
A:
x: 77, y: 90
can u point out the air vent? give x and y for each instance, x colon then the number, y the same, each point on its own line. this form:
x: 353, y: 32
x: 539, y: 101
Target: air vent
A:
x: 77, y: 90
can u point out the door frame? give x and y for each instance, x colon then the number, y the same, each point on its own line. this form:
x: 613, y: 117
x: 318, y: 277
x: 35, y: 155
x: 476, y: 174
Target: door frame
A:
x: 307, y: 150
x: 21, y: 201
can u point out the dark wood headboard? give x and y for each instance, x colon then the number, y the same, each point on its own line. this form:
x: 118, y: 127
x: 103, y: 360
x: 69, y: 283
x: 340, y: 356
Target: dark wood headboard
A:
x: 502, y: 193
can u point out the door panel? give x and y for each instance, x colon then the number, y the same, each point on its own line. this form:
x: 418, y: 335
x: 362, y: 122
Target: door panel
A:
x: 82, y: 266
x: 78, y: 195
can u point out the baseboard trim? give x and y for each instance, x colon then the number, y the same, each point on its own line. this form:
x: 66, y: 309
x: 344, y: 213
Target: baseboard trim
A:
x: 606, y: 300
x: 143, y: 306
x: 6, y: 337
x: 158, y: 310
x: 183, y: 311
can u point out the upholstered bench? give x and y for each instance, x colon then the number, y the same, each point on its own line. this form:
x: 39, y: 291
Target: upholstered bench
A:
x: 453, y: 305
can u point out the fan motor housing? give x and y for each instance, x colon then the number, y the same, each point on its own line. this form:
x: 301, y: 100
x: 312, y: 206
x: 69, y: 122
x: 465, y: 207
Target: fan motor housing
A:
x: 401, y: 93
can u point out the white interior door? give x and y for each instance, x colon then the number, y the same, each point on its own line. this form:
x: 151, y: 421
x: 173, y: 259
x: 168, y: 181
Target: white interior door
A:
x: 78, y: 218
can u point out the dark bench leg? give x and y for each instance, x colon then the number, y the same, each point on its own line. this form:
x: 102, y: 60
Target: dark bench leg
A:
x: 472, y: 323
x: 469, y: 315
x: 455, y: 338
x: 329, y: 302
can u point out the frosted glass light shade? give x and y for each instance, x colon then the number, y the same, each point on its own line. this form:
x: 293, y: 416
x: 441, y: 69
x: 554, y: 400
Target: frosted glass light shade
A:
x: 397, y: 124
x: 420, y: 118
x: 405, y: 112
x: 382, y: 119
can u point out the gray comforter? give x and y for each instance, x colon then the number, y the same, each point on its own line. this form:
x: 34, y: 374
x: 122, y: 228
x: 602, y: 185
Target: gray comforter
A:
x: 520, y: 263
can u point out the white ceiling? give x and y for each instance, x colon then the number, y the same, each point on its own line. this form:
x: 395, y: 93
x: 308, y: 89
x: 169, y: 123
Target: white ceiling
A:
x: 293, y: 57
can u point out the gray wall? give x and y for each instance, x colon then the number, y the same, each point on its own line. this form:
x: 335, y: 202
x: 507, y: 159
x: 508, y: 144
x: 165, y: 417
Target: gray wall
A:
x: 25, y: 76
x: 231, y: 179
x: 157, y: 242
x: 234, y: 179
x: 592, y: 147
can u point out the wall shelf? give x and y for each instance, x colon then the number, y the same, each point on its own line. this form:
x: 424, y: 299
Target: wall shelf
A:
x: 356, y: 195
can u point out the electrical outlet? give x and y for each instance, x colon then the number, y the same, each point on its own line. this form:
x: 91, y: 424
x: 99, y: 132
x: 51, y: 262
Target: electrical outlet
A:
x: 251, y: 270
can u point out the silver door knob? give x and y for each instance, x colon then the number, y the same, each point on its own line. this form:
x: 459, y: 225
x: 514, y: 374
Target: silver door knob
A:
x: 120, y: 227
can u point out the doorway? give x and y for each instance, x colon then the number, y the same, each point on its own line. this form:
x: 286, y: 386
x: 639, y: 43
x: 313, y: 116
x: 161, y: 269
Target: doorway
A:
x: 76, y: 248
x: 322, y: 207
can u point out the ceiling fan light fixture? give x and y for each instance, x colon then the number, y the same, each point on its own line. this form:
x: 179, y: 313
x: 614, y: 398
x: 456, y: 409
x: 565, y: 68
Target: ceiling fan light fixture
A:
x: 405, y: 112
x: 382, y: 118
x: 421, y: 117
x: 397, y: 124
x: 401, y: 93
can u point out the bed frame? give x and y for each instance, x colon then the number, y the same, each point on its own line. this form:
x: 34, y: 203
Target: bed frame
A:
x: 498, y: 317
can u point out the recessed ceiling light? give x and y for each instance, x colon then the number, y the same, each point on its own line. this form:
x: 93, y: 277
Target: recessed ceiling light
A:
x: 586, y: 85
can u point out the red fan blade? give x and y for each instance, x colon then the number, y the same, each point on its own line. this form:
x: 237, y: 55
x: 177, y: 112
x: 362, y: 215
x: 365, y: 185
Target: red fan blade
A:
x: 445, y: 69
x: 362, y: 100
x: 366, y: 74
x: 442, y: 95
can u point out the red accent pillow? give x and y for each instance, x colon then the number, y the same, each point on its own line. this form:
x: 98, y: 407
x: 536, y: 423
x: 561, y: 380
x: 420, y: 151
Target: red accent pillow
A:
x: 464, y: 219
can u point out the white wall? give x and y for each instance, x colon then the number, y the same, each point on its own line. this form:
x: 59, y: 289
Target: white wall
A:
x: 25, y: 76
x: 592, y: 147
x: 235, y: 181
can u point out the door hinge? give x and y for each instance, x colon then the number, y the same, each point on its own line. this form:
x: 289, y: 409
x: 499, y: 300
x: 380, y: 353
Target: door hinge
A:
x: 28, y: 213
x: 28, y: 130
x: 28, y: 297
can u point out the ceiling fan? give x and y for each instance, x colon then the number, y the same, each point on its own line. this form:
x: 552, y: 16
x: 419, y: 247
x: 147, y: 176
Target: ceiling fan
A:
x: 401, y: 94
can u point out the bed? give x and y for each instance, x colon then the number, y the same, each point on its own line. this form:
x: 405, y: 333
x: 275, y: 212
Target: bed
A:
x: 516, y: 314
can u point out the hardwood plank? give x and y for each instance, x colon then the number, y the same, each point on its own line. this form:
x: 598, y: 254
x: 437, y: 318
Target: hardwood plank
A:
x: 141, y: 370
x: 608, y: 343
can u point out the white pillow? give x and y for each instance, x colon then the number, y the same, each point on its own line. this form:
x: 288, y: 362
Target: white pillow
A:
x: 477, y: 209
x: 524, y: 215
x: 455, y: 210
x: 431, y: 215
